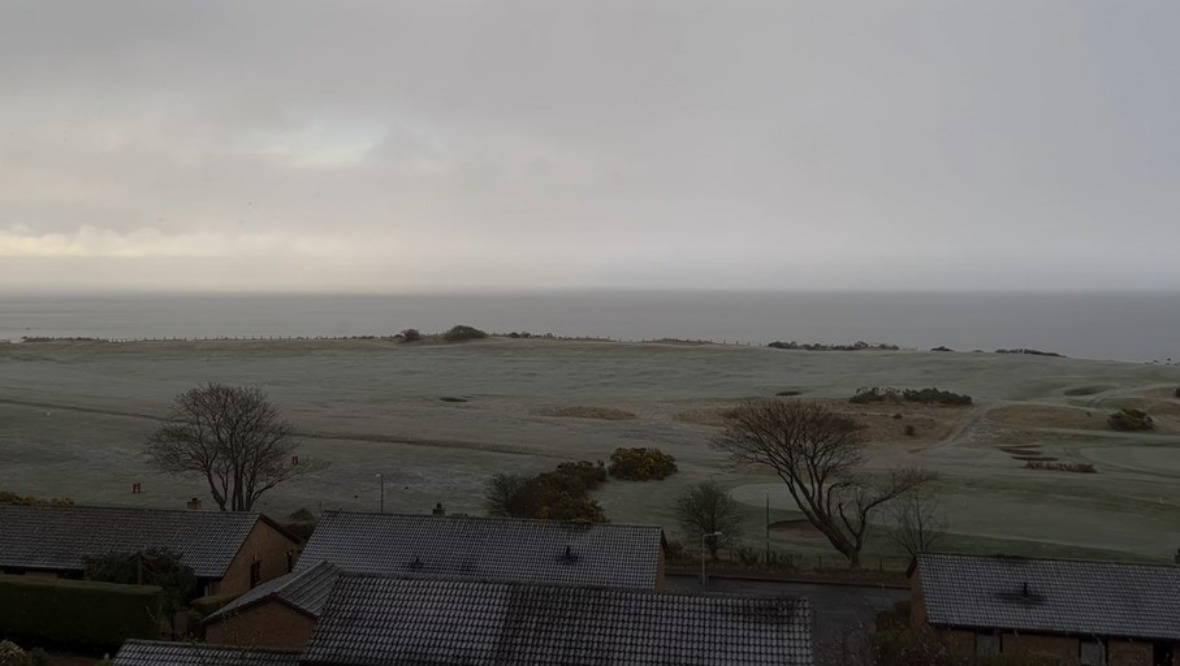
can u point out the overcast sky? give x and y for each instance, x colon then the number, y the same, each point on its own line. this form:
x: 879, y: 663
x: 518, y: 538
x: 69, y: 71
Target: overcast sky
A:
x: 398, y: 146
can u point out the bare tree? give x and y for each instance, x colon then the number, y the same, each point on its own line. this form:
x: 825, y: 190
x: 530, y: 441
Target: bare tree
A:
x: 917, y: 520
x: 705, y: 508
x: 234, y: 438
x: 817, y: 454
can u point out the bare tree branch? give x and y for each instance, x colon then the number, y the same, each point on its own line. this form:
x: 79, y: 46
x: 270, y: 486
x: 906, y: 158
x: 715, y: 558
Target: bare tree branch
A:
x: 816, y: 452
x: 234, y: 438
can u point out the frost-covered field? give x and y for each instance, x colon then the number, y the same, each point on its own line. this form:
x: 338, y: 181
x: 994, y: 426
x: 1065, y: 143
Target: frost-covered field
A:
x: 73, y: 419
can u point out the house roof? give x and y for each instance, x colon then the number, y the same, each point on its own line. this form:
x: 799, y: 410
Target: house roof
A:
x: 305, y: 590
x: 506, y: 549
x: 61, y: 538
x: 1113, y: 599
x: 161, y: 653
x: 370, y: 621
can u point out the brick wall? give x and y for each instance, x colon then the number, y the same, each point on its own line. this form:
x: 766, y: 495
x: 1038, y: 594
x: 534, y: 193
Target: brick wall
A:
x: 660, y: 572
x: 917, y: 604
x: 269, y: 624
x: 1064, y: 646
x: 962, y: 640
x: 1126, y: 653
x: 265, y: 545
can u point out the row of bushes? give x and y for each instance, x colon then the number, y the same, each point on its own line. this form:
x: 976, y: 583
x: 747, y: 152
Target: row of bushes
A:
x: 1034, y: 352
x: 859, y: 345
x: 1081, y: 468
x: 7, y: 497
x: 458, y: 333
x: 926, y: 396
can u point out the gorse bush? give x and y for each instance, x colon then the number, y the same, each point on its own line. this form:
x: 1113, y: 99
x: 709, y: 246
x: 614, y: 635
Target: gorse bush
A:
x: 641, y: 464
x: 1130, y: 420
x: 460, y: 333
x: 926, y: 396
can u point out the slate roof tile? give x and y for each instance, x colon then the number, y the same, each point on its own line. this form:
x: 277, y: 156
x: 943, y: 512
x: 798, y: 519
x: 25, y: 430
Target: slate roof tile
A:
x: 611, y: 554
x: 160, y: 653
x: 61, y: 538
x: 305, y: 590
x: 372, y: 620
x: 1113, y: 599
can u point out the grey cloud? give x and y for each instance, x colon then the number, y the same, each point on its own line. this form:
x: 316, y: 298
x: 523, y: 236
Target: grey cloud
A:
x: 669, y: 143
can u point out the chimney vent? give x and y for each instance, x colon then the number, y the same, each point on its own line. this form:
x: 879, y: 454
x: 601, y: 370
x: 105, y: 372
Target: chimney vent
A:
x: 568, y: 556
x: 194, y: 504
x: 439, y: 510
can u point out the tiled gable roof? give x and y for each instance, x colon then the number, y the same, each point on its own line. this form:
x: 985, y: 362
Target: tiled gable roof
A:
x: 305, y: 590
x: 160, y: 653
x: 61, y: 538
x: 1051, y: 596
x: 370, y: 621
x: 613, y: 555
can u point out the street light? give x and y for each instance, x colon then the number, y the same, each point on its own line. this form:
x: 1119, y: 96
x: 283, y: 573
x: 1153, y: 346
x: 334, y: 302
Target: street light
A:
x: 381, y: 481
x: 703, y: 537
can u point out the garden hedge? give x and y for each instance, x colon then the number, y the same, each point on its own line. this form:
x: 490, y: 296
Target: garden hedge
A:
x: 79, y: 613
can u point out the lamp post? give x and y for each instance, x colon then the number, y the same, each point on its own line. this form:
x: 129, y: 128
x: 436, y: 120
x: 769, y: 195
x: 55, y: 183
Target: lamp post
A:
x: 703, y: 537
x: 381, y: 481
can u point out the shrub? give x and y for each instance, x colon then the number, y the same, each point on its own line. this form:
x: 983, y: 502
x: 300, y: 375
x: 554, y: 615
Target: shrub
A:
x: 410, y: 335
x: 895, y: 618
x: 562, y: 494
x: 153, y: 566
x: 942, y: 348
x: 78, y: 613
x: 1130, y: 420
x: 301, y: 523
x: 206, y: 606
x: 585, y: 473
x: 460, y: 333
x: 910, y: 431
x: 641, y: 464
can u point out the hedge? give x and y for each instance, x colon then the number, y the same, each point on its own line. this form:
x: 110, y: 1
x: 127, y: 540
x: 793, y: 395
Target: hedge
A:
x: 78, y: 613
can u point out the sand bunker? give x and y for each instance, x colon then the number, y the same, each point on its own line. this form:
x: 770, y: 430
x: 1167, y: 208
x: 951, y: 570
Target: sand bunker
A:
x: 1041, y: 416
x: 586, y: 412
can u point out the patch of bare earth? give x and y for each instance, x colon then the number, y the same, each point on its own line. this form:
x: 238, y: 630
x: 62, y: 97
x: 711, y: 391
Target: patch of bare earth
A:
x: 586, y: 412
x: 1044, y: 416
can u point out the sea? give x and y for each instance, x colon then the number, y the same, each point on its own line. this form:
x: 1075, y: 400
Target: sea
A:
x: 1138, y: 327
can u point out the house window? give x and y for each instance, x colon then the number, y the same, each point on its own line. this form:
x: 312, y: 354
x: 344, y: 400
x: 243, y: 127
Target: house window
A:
x: 255, y: 574
x: 1092, y: 653
x: 987, y: 645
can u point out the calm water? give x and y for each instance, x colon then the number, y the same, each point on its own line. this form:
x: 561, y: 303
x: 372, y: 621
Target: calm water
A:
x: 1130, y: 326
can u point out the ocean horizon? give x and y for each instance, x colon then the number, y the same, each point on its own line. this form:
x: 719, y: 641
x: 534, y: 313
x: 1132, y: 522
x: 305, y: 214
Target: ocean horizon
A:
x: 1124, y: 326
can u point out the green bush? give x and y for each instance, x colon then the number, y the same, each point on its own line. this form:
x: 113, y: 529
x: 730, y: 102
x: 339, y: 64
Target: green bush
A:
x: 78, y: 613
x: 7, y: 497
x: 410, y: 335
x: 154, y: 566
x: 1130, y: 420
x: 461, y: 332
x: 206, y: 606
x: 562, y: 494
x: 896, y: 618
x: 641, y: 464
